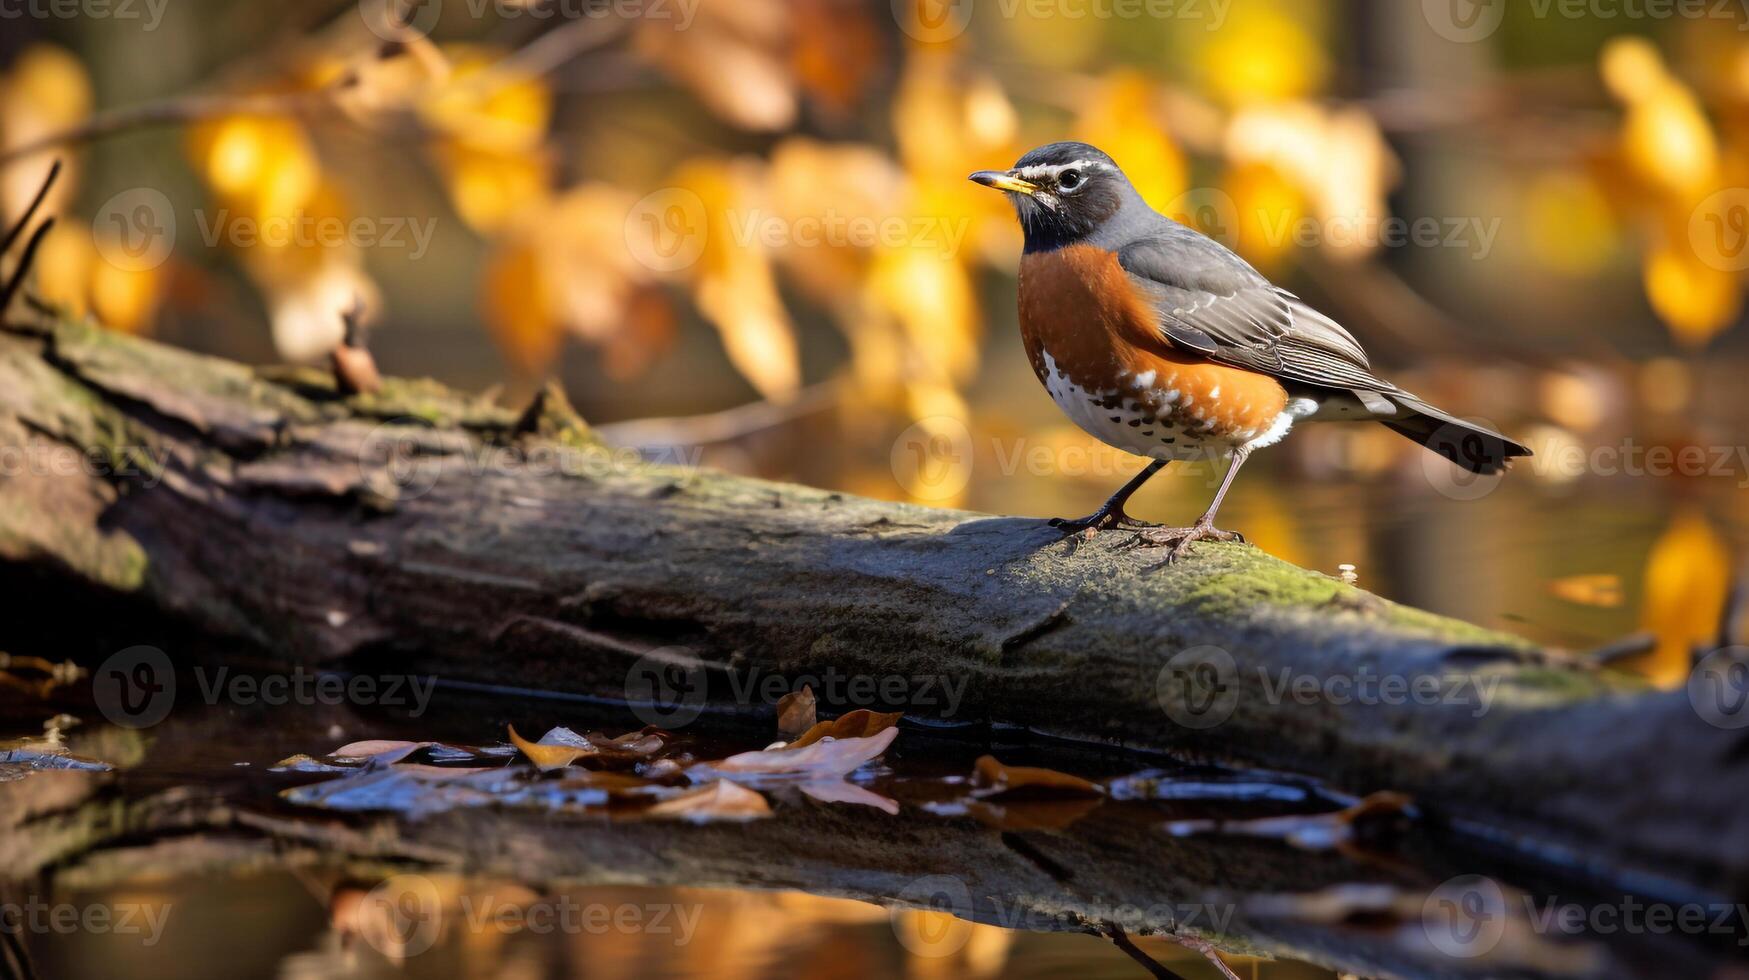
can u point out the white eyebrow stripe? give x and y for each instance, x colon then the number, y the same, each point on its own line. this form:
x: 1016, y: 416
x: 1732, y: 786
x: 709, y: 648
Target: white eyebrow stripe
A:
x: 1052, y: 169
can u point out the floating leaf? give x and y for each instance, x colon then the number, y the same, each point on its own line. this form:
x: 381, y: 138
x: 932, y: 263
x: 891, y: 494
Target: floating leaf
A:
x: 1599, y: 590
x: 721, y: 800
x: 795, y: 711
x: 860, y: 723
x: 992, y: 778
x: 829, y: 756
x: 1312, y: 832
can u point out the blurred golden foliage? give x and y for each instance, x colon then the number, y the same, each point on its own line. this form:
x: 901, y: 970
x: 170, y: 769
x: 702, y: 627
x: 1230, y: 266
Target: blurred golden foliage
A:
x: 1687, y: 582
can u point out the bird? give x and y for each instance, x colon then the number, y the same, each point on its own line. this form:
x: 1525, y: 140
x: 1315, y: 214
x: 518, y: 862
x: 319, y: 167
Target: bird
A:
x: 1163, y: 343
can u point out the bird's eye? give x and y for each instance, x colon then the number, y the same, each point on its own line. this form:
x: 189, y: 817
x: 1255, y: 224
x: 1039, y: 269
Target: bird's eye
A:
x: 1069, y: 180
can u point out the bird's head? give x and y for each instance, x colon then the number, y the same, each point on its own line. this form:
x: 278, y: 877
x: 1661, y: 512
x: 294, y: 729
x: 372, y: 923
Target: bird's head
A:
x: 1064, y: 192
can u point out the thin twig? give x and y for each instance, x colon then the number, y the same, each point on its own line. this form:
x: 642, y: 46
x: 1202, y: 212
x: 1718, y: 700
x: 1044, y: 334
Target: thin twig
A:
x: 181, y: 109
x: 36, y: 202
x: 1115, y: 933
x: 24, y: 261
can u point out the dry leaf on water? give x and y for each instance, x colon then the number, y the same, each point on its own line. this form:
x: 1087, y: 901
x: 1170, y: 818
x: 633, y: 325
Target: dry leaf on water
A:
x: 860, y: 723
x: 992, y: 778
x: 795, y: 711
x: 827, y: 757
x: 561, y: 747
x: 721, y: 800
x: 1313, y: 831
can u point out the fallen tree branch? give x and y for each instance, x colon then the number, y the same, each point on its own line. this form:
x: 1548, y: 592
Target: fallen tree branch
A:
x: 429, y: 531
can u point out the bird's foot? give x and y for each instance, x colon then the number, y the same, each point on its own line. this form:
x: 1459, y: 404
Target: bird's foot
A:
x: 1179, y: 539
x: 1103, y: 519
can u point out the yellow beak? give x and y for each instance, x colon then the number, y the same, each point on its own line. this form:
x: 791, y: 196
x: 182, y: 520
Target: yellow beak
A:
x: 1005, y: 182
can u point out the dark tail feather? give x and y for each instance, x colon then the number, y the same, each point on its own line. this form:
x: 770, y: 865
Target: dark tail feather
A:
x: 1470, y: 446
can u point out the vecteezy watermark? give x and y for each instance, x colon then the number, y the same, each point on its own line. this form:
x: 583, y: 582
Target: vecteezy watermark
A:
x: 35, y: 916
x: 405, y: 458
x: 1201, y: 687
x: 142, y: 465
x: 1469, y: 21
x: 149, y: 13
x: 1213, y: 212
x: 936, y: 21
x: 669, y: 687
x: 1562, y: 462
x: 1718, y: 230
x: 949, y: 913
x: 1718, y: 688
x: 1469, y: 916
x: 138, y: 688
x: 407, y: 914
x: 668, y: 230
x: 943, y: 236
x: 136, y: 230
x: 934, y: 458
x: 300, y: 229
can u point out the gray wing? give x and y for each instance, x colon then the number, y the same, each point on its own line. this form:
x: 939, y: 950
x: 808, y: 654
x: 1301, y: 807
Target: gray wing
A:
x: 1209, y: 301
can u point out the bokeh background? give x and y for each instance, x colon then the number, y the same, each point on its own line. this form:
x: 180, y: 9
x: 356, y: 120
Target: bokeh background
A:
x: 739, y: 232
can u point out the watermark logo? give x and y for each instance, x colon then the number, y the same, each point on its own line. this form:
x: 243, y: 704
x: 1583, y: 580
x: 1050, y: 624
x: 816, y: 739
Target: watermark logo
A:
x: 1718, y: 688
x: 1464, y: 21
x: 149, y: 12
x: 1454, y: 450
x: 941, y: 930
x: 1718, y: 230
x: 1465, y: 917
x: 135, y: 230
x: 1198, y: 688
x: 392, y: 450
x: 667, y: 230
x: 135, y: 687
x: 400, y: 20
x: 403, y: 916
x: 932, y: 458
x: 933, y: 21
x: 1209, y: 210
x: 667, y: 687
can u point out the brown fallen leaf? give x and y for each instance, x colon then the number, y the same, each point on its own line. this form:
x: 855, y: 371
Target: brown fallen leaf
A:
x: 561, y: 747
x: 829, y: 757
x: 378, y: 750
x: 795, y: 712
x: 991, y: 778
x: 721, y: 800
x: 860, y: 723
x: 1313, y: 831
x: 550, y: 755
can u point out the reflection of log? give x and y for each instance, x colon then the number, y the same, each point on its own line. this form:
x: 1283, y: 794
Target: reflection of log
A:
x: 1107, y: 868
x: 516, y: 551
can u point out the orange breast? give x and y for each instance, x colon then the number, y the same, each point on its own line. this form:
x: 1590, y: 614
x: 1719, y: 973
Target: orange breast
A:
x: 1077, y: 305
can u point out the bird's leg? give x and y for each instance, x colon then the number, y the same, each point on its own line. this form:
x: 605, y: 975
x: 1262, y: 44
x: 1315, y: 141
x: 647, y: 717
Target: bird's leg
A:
x: 1179, y: 539
x: 1110, y: 514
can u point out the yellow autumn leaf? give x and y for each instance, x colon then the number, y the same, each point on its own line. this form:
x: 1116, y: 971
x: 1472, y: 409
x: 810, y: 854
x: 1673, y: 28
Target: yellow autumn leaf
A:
x: 1694, y: 299
x: 1121, y: 119
x: 1687, y: 581
x: 126, y: 299
x: 514, y: 297
x: 1269, y: 209
x: 63, y: 268
x: 1262, y: 54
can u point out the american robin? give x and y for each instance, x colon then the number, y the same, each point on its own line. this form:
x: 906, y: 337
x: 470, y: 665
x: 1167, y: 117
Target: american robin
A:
x: 1163, y: 343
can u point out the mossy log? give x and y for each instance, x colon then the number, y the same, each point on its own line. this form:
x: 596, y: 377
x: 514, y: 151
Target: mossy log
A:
x: 427, y: 530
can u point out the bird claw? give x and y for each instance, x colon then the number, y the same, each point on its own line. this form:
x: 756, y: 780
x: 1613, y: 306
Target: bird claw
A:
x: 1179, y: 539
x: 1099, y: 521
